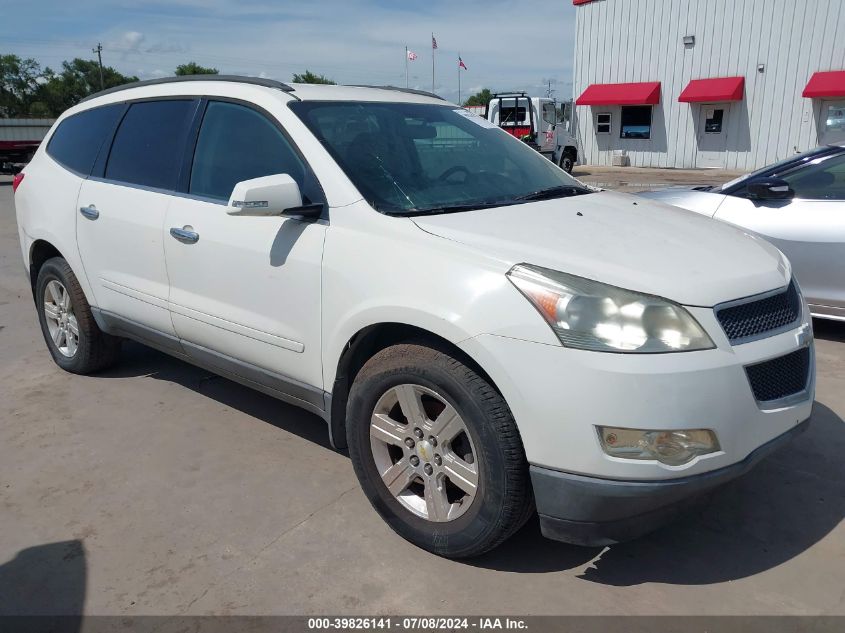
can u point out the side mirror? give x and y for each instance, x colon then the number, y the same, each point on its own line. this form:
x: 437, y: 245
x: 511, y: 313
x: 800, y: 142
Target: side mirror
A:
x: 769, y: 189
x: 274, y: 195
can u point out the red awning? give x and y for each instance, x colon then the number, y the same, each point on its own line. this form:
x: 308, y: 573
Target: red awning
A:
x: 621, y: 94
x: 717, y: 89
x: 827, y: 84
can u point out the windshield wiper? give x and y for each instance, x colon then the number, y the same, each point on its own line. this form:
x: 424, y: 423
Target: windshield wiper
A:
x: 563, y: 191
x: 455, y: 208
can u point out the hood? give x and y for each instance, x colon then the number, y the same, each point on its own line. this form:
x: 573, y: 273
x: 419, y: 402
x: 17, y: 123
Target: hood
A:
x: 623, y: 240
x: 704, y: 202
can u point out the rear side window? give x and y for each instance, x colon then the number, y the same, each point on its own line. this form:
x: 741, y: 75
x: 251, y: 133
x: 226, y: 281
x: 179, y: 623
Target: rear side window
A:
x: 149, y: 144
x: 237, y: 143
x: 78, y: 139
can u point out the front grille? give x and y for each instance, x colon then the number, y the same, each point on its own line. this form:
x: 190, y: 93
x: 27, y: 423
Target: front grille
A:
x: 749, y: 320
x: 780, y: 377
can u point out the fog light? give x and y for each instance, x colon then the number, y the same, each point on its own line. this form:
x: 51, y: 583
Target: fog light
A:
x: 667, y: 447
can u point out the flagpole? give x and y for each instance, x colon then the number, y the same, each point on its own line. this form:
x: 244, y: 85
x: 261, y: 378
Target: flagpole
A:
x: 432, y: 62
x: 459, y: 79
x: 406, y: 67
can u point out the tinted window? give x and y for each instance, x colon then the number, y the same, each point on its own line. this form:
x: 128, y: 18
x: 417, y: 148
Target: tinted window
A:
x: 237, y: 143
x: 636, y: 122
x: 78, y: 139
x: 823, y: 181
x: 736, y: 186
x: 149, y: 143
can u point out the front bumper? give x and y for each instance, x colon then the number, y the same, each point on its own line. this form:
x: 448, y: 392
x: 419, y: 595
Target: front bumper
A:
x: 558, y: 396
x: 596, y: 512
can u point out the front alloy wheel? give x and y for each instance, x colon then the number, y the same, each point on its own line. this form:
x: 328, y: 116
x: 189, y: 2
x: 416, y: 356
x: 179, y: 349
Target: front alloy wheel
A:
x: 423, y: 452
x: 436, y: 449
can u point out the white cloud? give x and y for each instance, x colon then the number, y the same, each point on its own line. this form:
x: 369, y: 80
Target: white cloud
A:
x: 351, y: 41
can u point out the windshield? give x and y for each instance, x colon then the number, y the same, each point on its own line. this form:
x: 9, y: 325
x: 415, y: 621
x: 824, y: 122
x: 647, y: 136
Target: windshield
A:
x: 778, y: 167
x: 411, y: 158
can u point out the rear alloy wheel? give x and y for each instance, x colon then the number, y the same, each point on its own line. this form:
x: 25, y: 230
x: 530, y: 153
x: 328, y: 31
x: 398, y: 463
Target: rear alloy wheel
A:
x: 437, y: 451
x: 61, y: 321
x: 75, y: 341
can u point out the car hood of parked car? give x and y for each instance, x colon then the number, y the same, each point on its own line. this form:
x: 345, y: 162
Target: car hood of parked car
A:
x: 623, y: 240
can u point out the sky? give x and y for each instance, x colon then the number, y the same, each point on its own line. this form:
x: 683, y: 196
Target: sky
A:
x: 505, y: 45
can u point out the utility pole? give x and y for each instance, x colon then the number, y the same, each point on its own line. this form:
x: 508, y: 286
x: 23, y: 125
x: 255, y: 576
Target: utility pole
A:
x: 99, y: 51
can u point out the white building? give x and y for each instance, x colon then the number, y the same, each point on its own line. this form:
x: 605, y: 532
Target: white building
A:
x: 736, y: 84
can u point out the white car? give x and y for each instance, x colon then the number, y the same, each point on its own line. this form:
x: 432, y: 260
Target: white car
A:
x: 486, y: 335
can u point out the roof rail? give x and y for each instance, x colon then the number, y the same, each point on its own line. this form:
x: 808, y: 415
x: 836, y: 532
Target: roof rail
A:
x: 411, y: 91
x: 256, y: 81
x: 510, y: 94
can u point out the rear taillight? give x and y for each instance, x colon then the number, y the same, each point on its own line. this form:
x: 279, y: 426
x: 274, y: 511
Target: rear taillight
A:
x: 16, y: 181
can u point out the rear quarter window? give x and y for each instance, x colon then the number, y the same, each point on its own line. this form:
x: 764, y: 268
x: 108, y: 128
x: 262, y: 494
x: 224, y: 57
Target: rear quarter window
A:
x: 78, y: 139
x: 149, y: 144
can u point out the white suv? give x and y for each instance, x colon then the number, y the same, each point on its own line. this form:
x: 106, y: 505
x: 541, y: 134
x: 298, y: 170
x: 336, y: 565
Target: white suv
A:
x: 486, y: 335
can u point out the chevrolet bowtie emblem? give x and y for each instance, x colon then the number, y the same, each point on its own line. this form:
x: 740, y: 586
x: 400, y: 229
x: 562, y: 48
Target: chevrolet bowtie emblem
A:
x: 803, y: 336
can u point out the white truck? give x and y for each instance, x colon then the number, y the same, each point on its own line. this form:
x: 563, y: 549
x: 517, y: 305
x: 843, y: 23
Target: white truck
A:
x: 539, y: 121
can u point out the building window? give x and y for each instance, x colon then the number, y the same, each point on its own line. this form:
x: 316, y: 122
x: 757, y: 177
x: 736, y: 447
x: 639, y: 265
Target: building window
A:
x: 835, y: 119
x: 713, y: 119
x: 636, y: 122
x: 603, y: 123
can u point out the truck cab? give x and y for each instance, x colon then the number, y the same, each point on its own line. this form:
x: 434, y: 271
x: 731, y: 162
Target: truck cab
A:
x: 538, y: 121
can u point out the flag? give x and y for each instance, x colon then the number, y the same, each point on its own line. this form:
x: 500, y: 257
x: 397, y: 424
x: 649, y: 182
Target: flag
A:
x: 433, y: 42
x: 412, y: 56
x: 461, y: 63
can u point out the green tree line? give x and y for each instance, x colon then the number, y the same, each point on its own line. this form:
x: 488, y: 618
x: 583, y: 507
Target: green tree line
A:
x: 28, y: 90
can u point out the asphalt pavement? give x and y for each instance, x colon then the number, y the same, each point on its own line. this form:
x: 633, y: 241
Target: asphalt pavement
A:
x: 158, y: 488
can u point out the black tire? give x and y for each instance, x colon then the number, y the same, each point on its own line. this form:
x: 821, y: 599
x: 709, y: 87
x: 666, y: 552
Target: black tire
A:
x: 567, y: 162
x: 503, y: 501
x: 96, y: 350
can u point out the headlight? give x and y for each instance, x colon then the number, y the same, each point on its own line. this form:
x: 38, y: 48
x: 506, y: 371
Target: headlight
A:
x: 673, y: 448
x: 590, y: 315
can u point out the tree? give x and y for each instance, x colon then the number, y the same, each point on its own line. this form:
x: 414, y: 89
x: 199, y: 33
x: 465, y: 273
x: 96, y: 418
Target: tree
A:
x: 310, y: 78
x: 193, y: 68
x: 19, y: 80
x: 481, y: 98
x: 77, y: 79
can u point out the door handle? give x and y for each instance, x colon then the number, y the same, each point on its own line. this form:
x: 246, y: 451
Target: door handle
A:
x: 185, y: 235
x: 90, y: 212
